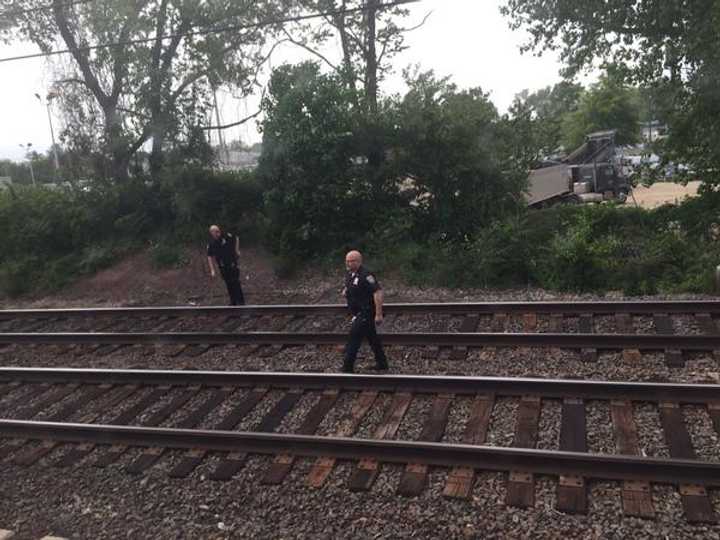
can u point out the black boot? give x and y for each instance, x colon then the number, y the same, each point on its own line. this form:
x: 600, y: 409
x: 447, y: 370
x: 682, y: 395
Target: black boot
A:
x: 348, y: 367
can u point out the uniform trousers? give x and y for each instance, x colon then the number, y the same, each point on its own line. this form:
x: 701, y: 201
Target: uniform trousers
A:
x: 363, y: 327
x: 231, y: 276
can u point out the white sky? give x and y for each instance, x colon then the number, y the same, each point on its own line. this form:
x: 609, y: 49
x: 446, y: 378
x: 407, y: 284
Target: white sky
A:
x: 466, y: 39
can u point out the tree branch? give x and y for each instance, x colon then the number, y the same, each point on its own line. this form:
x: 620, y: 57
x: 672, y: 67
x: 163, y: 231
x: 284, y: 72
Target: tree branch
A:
x: 239, y: 122
x: 81, y: 58
x: 72, y: 80
x: 120, y: 63
x: 310, y: 50
x: 144, y: 136
x: 422, y: 23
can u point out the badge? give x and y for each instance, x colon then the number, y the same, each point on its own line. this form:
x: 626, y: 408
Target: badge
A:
x: 370, y: 279
x: 356, y: 280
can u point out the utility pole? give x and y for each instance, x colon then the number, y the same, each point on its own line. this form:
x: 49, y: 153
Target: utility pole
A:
x: 50, y: 96
x: 29, y: 158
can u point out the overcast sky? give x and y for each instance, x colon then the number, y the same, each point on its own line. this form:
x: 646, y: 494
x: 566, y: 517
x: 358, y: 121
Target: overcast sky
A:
x: 466, y: 39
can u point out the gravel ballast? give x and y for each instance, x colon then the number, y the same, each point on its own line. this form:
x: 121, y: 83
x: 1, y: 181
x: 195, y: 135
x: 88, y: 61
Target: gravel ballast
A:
x: 88, y: 502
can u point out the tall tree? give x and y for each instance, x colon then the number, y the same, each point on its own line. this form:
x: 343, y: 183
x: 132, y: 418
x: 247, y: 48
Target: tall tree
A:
x: 608, y: 104
x: 667, y: 44
x: 314, y: 191
x: 167, y: 56
x: 368, y: 40
x: 545, y: 110
x: 451, y: 144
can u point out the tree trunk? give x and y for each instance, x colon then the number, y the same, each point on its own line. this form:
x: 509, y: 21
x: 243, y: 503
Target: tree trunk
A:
x: 349, y: 70
x: 115, y: 143
x: 371, y: 66
x: 157, y: 156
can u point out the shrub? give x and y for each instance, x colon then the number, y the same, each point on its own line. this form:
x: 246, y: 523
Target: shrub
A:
x: 168, y: 254
x: 53, y: 235
x: 197, y: 198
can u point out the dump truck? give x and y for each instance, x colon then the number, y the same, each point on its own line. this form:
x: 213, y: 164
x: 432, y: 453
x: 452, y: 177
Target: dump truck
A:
x: 592, y: 173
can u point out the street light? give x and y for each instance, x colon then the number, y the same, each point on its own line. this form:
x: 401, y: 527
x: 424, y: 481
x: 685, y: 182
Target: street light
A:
x: 29, y: 158
x: 50, y: 96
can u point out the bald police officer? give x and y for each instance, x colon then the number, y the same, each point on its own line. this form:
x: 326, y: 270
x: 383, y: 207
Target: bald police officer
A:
x: 365, y: 301
x: 224, y: 249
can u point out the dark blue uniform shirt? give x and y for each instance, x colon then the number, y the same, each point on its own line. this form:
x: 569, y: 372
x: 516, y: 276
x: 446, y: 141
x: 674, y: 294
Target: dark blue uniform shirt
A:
x: 360, y: 287
x: 223, y: 249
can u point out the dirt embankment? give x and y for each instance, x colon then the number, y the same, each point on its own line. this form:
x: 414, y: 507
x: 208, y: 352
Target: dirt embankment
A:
x: 134, y: 281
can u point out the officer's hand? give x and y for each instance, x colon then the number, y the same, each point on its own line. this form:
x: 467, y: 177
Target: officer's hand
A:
x: 378, y: 319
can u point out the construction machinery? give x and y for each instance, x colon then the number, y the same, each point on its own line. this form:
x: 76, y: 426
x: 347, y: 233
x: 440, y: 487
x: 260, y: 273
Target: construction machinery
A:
x: 591, y: 174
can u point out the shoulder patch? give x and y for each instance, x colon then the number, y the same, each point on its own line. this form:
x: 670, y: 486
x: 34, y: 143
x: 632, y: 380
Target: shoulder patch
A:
x: 370, y: 279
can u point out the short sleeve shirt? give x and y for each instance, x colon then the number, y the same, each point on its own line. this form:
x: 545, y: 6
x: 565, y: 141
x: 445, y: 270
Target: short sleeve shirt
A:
x: 223, y: 250
x: 360, y: 287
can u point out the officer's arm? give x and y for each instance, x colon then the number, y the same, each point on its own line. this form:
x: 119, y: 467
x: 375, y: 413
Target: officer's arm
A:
x: 212, y: 266
x: 378, y: 297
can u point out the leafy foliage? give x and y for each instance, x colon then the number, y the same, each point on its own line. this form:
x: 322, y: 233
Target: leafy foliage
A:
x: 581, y: 249
x: 441, y: 174
x: 608, y: 104
x: 54, y: 235
x: 542, y: 113
x: 314, y: 197
x: 449, y: 145
x: 670, y: 46
x: 148, y: 90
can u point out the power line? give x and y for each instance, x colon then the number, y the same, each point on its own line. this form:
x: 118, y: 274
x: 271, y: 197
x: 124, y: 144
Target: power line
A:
x: 42, y: 8
x: 297, y: 18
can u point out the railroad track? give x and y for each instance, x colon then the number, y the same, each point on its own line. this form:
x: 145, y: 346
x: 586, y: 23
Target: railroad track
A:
x: 471, y: 325
x: 674, y: 346
x: 94, y: 417
x: 649, y: 307
x: 468, y: 317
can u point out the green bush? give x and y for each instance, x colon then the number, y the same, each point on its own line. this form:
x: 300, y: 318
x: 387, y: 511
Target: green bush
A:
x: 196, y: 199
x: 168, y: 254
x: 581, y: 249
x: 51, y: 236
x: 17, y: 276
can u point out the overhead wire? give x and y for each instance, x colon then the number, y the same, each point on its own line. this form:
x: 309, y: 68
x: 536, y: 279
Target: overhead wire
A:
x: 206, y: 31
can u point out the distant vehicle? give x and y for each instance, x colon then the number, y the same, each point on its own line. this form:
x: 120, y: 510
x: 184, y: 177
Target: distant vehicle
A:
x: 592, y: 173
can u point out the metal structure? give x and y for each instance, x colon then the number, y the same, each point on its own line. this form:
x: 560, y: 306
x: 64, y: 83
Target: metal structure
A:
x: 672, y: 307
x: 420, y: 384
x: 592, y: 173
x: 642, y: 342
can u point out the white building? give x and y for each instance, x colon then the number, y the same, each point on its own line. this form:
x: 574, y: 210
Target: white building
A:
x: 652, y: 131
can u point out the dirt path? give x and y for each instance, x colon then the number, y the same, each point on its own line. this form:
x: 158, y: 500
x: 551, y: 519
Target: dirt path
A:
x: 135, y: 281
x: 664, y: 192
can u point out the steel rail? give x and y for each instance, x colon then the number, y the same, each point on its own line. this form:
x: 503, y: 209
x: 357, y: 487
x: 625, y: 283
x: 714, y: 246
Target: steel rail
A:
x: 504, y: 386
x: 459, y: 308
x: 603, y: 466
x: 643, y: 342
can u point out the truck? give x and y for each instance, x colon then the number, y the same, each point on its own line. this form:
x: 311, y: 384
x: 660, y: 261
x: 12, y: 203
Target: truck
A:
x: 591, y: 174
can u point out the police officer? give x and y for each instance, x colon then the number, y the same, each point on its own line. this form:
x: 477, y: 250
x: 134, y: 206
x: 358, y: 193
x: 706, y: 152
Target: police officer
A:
x: 224, y: 248
x: 365, y: 301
